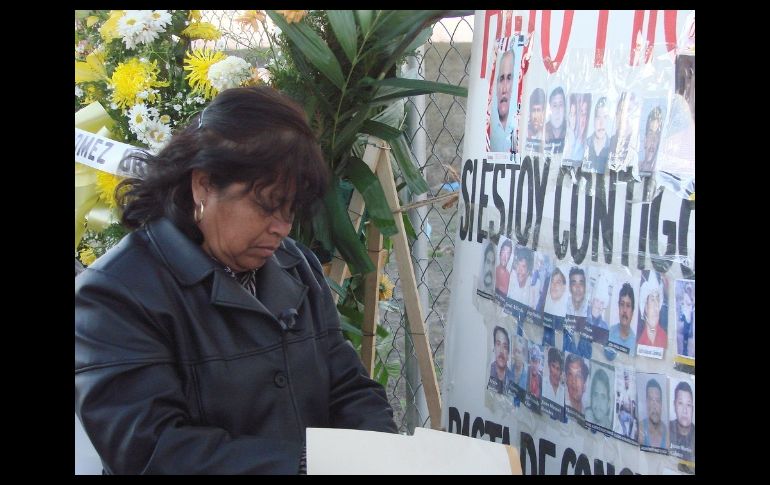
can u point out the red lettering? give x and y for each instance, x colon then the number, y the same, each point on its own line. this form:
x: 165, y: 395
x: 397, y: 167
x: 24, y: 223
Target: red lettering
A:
x: 601, y: 37
x: 487, y: 16
x: 669, y: 29
x: 636, y: 34
x: 669, y: 32
x: 552, y: 65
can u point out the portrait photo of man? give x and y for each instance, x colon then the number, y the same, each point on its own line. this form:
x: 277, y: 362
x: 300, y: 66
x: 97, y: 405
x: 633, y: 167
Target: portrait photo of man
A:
x: 499, y: 370
x: 485, y: 286
x: 503, y: 103
x: 553, y: 388
x: 601, y: 403
x: 576, y: 371
x: 598, y: 142
x: 536, y: 120
x: 556, y: 127
x: 682, y: 428
x: 653, y: 428
x: 621, y: 333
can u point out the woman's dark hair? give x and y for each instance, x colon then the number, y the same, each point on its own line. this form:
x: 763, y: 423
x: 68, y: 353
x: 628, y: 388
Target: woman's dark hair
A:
x: 254, y: 135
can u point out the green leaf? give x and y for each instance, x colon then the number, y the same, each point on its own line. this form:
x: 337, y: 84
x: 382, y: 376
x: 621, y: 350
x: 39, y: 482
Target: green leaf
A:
x: 364, y: 18
x: 336, y: 288
x: 349, y: 132
x: 312, y: 47
x: 396, y: 23
x: 413, y: 87
x: 421, y: 39
x: 321, y: 229
x: 344, y: 26
x: 371, y: 127
x: 426, y: 18
x: 406, y: 162
x: 408, y: 227
x: 344, y: 236
x: 370, y: 188
x: 348, y: 326
x: 307, y: 76
x: 382, y: 332
x: 394, y: 115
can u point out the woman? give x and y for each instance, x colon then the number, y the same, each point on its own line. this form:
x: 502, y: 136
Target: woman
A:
x: 207, y: 341
x: 652, y: 333
x: 555, y: 302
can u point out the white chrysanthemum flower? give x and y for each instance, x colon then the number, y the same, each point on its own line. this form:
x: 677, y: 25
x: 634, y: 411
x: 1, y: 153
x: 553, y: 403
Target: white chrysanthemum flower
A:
x: 229, y: 73
x: 132, y: 24
x: 142, y: 26
x: 177, y: 107
x: 139, y: 115
x: 200, y: 100
x: 160, y: 19
x: 78, y: 92
x: 156, y: 134
x: 146, y: 36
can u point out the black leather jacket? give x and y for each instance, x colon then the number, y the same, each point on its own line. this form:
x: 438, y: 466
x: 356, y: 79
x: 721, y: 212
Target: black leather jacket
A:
x: 178, y: 369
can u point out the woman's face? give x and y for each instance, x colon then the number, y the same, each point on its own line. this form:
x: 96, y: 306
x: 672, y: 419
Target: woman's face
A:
x: 557, y: 286
x: 236, y: 230
x: 653, y: 310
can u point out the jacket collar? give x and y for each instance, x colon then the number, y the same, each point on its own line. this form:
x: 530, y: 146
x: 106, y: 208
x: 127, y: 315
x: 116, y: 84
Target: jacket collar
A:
x: 277, y: 289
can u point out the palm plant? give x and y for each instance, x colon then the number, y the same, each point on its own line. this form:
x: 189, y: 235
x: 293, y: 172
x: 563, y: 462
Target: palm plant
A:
x: 342, y: 66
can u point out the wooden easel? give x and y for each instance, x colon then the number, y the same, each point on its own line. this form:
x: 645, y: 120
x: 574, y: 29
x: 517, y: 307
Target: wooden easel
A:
x: 377, y: 158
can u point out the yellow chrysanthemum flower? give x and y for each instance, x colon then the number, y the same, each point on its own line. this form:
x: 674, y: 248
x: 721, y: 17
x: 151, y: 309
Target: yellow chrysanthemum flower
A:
x: 198, y: 63
x: 87, y: 256
x: 134, y: 77
x: 194, y: 15
x: 293, y: 16
x: 250, y: 18
x: 202, y: 30
x: 386, y: 287
x: 110, y: 28
x: 106, y: 183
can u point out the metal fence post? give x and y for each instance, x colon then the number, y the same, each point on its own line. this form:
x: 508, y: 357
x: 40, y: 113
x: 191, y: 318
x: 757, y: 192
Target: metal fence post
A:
x: 417, y: 409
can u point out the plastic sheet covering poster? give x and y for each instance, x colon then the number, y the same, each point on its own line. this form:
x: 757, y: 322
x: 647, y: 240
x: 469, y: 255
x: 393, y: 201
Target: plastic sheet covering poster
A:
x: 571, y: 330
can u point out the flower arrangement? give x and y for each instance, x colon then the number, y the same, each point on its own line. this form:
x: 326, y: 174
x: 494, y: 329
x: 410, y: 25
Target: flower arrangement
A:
x: 145, y: 72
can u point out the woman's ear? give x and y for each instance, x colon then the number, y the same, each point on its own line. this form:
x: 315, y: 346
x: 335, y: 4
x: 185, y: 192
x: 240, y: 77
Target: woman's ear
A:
x: 201, y: 185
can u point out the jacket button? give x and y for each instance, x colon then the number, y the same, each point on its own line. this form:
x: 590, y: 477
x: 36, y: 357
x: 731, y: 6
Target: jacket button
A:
x: 280, y: 379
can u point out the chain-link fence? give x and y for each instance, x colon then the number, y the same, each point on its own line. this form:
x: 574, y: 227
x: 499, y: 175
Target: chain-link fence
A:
x: 436, y: 126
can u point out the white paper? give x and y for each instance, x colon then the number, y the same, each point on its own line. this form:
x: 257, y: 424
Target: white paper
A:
x: 427, y: 452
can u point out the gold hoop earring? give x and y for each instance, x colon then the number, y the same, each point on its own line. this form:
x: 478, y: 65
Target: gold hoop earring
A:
x: 198, y: 216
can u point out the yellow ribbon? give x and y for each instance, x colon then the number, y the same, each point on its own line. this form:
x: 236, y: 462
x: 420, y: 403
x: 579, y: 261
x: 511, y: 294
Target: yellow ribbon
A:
x: 90, y: 211
x: 91, y: 70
